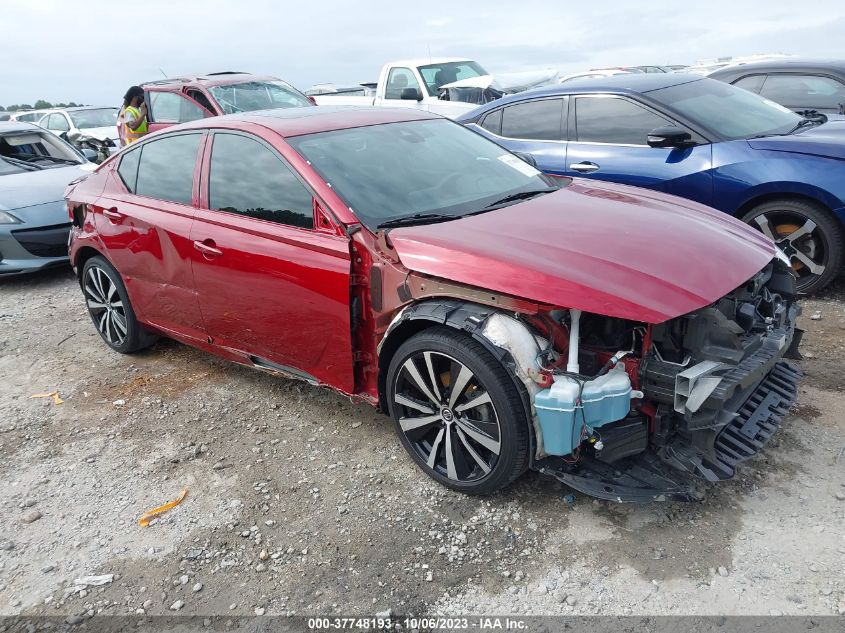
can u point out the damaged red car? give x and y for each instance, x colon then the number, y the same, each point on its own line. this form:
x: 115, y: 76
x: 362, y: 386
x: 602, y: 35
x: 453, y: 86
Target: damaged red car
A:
x: 630, y: 344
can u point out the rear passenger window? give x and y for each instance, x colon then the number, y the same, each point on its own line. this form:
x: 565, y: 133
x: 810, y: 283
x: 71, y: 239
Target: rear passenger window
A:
x: 166, y: 169
x: 612, y: 120
x: 535, y: 120
x: 250, y: 179
x: 751, y: 82
x: 128, y: 168
x: 493, y: 122
x: 804, y: 91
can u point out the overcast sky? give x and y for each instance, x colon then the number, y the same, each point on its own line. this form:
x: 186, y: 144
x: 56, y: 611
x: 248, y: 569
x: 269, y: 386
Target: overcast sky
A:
x: 90, y: 51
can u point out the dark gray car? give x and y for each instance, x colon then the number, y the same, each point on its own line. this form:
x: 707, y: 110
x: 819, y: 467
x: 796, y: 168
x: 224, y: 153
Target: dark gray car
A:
x: 798, y: 84
x: 35, y: 169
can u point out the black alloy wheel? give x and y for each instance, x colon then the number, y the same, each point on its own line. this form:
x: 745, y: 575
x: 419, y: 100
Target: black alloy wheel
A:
x: 809, y: 237
x: 457, y: 411
x: 108, y: 304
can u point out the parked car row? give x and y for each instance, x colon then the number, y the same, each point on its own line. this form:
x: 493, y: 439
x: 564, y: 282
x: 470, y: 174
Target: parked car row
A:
x: 84, y: 127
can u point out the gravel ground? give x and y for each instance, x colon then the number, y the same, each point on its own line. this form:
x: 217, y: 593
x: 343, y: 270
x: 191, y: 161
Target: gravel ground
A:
x: 300, y: 502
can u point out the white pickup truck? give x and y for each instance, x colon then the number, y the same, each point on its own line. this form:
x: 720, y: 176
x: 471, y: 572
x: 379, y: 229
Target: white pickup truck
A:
x: 414, y: 83
x: 433, y: 84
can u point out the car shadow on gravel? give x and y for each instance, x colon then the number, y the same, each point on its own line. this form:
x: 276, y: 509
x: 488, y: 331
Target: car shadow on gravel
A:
x: 41, y: 279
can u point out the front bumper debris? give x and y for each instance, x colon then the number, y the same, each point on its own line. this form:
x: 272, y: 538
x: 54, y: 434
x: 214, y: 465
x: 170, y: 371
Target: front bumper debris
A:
x: 645, y: 477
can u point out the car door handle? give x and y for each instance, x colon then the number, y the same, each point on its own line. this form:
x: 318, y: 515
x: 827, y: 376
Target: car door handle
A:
x: 208, y: 248
x: 113, y: 214
x: 584, y: 168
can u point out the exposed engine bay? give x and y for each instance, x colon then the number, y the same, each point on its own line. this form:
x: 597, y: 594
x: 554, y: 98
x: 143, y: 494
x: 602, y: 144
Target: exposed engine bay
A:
x: 646, y: 407
x: 636, y: 412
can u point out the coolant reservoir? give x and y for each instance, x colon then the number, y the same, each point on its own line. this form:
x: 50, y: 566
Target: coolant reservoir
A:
x: 564, y: 424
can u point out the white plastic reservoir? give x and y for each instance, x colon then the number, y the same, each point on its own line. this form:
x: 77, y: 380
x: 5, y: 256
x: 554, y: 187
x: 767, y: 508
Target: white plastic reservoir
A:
x: 604, y: 399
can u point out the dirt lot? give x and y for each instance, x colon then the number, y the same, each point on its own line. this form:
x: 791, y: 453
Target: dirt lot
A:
x: 301, y: 502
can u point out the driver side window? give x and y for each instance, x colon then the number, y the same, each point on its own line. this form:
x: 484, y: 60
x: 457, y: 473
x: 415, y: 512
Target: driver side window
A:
x: 398, y: 80
x: 57, y: 123
x: 614, y: 120
x: 169, y: 107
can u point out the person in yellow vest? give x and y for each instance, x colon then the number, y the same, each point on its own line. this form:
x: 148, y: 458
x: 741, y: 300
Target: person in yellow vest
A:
x: 134, y: 115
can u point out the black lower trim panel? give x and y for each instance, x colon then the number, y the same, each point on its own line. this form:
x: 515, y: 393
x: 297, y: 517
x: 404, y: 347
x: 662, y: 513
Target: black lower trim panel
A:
x: 45, y: 241
x: 758, y: 418
x: 639, y: 479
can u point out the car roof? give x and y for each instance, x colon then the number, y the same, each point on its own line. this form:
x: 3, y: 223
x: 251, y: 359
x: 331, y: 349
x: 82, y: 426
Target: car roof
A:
x: 39, y: 111
x: 78, y: 108
x: 787, y: 64
x: 428, y: 61
x: 625, y: 83
x: 209, y: 79
x: 288, y: 122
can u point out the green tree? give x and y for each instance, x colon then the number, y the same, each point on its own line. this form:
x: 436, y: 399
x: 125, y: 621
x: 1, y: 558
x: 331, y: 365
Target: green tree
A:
x: 41, y: 104
x: 2, y: 109
x: 25, y: 106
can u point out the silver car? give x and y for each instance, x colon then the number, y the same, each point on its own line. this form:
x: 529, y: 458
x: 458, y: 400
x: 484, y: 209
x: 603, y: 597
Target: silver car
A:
x: 35, y: 169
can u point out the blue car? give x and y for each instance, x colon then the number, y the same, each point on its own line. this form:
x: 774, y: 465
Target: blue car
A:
x: 697, y: 138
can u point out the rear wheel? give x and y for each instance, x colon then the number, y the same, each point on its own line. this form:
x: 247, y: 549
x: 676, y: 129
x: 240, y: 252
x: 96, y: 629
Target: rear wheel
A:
x: 457, y: 411
x: 110, y: 309
x: 807, y: 234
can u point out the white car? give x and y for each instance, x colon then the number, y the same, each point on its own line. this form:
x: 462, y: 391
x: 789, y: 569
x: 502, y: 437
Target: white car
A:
x: 85, y: 127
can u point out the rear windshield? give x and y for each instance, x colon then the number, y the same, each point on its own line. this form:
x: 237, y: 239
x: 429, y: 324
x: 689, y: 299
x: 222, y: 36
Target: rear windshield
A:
x: 257, y: 95
x: 731, y: 112
x: 98, y: 117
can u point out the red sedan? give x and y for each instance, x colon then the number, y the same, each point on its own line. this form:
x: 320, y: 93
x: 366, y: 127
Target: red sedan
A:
x: 626, y: 342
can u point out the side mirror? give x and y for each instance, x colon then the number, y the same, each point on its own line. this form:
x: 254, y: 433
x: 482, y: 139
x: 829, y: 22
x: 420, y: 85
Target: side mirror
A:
x: 89, y: 154
x: 669, y: 136
x: 411, y: 94
x: 528, y: 158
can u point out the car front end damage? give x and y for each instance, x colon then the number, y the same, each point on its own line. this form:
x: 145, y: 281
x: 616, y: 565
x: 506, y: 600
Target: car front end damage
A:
x: 715, y: 387
x: 632, y: 411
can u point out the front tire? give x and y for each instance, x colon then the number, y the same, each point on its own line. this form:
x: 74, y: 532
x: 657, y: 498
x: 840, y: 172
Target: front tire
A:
x: 808, y: 235
x: 110, y: 309
x: 457, y: 411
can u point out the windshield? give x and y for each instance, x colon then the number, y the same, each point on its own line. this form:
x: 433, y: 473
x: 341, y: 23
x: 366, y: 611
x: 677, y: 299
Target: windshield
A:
x: 396, y: 170
x: 436, y: 75
x: 99, y: 117
x: 257, y: 95
x: 730, y: 112
x: 35, y: 149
